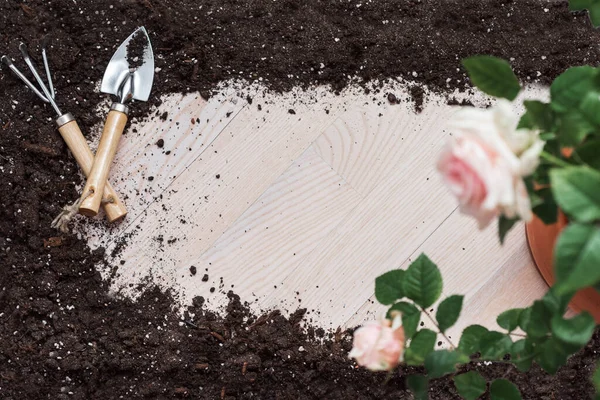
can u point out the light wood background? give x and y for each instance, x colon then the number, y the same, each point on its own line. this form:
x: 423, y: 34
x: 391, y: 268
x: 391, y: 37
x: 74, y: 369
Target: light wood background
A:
x: 301, y: 208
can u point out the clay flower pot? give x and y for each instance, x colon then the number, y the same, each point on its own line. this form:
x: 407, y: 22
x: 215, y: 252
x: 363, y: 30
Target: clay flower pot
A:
x: 541, y: 239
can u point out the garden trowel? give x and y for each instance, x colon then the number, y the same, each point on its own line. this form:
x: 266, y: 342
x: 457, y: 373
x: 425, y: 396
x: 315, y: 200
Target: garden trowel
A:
x: 129, y: 75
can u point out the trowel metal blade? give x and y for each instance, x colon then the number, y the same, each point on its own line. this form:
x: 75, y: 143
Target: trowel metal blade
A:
x: 118, y: 69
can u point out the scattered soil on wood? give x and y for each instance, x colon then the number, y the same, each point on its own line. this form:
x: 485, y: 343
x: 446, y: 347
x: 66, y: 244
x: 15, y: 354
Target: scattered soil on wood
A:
x: 63, y: 337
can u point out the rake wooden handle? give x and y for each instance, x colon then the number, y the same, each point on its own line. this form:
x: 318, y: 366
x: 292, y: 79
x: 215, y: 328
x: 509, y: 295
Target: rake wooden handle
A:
x: 113, y: 129
x: 70, y: 132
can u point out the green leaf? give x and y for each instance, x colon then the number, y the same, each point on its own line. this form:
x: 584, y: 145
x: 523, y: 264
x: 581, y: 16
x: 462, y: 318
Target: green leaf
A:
x: 553, y: 354
x: 547, y: 136
x: 388, y: 287
x: 525, y: 318
x: 589, y: 153
x: 596, y: 378
x: 573, y: 127
x: 590, y: 107
x: 423, y: 282
x: 594, y: 11
x: 495, y: 345
x: 441, y: 362
x: 577, y: 257
x: 418, y: 386
x: 522, y: 354
x: 554, y: 148
x: 493, y: 76
x: 579, y: 5
x: 576, y: 331
x: 411, y: 316
x: 448, y: 311
x: 547, y: 211
x: 505, y: 225
x: 540, y: 175
x: 535, y: 320
x: 592, y: 6
x: 501, y: 389
x: 526, y: 122
x: 509, y: 319
x: 540, y: 114
x: 420, y: 346
x: 535, y: 199
x: 569, y: 88
x: 556, y: 304
x: 470, y: 339
x: 576, y: 191
x: 470, y: 385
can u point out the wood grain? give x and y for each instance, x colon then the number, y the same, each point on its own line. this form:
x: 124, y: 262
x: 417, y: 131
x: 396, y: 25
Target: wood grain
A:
x: 275, y: 234
x: 370, y: 141
x: 382, y: 231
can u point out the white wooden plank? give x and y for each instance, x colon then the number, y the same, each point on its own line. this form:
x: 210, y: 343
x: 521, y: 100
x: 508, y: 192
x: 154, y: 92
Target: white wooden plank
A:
x: 392, y: 221
x: 289, y: 220
x: 368, y: 143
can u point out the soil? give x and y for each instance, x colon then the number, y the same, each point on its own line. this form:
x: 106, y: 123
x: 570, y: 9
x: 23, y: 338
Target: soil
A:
x: 136, y: 50
x: 63, y: 337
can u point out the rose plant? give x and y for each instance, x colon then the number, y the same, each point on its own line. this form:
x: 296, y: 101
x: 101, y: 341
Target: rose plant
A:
x: 501, y: 166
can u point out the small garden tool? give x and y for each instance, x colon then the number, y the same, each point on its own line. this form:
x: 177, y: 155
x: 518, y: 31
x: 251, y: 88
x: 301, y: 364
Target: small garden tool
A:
x: 127, y: 82
x: 70, y: 132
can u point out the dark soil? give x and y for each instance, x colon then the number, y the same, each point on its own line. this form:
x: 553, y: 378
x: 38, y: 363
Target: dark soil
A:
x: 62, y: 336
x: 136, y: 50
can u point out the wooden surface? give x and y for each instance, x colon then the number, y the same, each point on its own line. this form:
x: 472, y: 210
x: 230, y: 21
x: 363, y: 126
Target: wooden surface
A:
x: 76, y: 142
x: 301, y: 200
x: 96, y: 180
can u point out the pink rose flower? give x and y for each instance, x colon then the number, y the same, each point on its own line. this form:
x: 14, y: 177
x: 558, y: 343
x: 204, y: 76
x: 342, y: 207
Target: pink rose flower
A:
x: 379, y: 345
x: 485, y: 160
x: 477, y: 176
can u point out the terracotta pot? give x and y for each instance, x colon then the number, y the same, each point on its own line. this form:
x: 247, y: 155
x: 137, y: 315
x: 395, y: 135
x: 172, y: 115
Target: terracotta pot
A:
x: 541, y: 239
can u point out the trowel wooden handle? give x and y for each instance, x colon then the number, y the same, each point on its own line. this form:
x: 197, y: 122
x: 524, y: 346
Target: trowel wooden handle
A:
x: 113, y: 129
x: 70, y: 132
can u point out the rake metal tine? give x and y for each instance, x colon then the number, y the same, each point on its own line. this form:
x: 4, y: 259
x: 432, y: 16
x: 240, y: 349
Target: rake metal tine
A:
x: 47, y: 68
x: 30, y: 85
x: 38, y: 78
